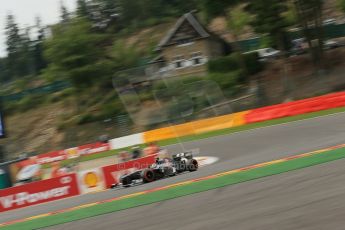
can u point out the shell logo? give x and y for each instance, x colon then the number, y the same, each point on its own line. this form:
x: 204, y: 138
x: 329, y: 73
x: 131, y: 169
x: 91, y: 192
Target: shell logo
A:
x: 91, y: 179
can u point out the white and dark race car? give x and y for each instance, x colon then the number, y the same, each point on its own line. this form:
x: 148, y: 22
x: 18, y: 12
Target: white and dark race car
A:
x: 162, y: 168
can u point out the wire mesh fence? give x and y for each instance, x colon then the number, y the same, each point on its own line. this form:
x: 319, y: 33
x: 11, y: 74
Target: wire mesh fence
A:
x: 178, y: 100
x: 153, y: 101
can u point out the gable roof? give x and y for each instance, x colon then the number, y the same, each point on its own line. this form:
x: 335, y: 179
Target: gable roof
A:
x: 157, y: 59
x: 192, y: 20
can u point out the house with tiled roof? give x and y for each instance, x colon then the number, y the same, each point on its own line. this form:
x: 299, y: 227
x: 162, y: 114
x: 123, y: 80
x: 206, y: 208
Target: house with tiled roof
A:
x: 186, y: 48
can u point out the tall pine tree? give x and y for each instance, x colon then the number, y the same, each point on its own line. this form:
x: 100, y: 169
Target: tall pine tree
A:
x: 104, y: 13
x: 64, y: 14
x: 310, y: 18
x: 82, y: 9
x: 13, y: 42
x: 37, y: 48
x: 269, y: 19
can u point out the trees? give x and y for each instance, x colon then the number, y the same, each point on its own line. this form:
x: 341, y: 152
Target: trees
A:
x: 13, y: 42
x: 37, y: 48
x: 268, y: 19
x: 109, y: 8
x: 237, y: 20
x: 64, y: 14
x: 102, y: 13
x: 310, y: 18
x: 124, y: 57
x: 149, y: 12
x: 291, y: 13
x: 179, y: 7
x: 76, y: 55
x: 272, y: 17
x: 130, y: 12
x: 18, y: 50
x: 211, y: 8
x: 4, y: 75
x: 25, y: 60
x: 119, y: 14
x: 24, y: 51
x: 82, y: 9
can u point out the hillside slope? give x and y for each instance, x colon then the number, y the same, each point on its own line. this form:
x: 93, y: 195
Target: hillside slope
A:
x: 39, y: 129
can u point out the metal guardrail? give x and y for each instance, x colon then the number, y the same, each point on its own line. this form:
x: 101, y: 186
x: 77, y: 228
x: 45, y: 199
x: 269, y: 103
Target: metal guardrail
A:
x: 228, y: 102
x: 45, y: 89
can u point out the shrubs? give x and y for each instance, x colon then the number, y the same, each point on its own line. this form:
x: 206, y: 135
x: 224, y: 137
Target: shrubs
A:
x: 232, y: 63
x: 252, y: 63
x: 146, y: 96
x: 85, y: 118
x: 228, y: 74
x: 223, y: 64
x: 229, y: 82
x: 112, y: 109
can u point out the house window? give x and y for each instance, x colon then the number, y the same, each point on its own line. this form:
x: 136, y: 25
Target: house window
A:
x: 197, y: 59
x: 179, y: 62
x: 184, y: 42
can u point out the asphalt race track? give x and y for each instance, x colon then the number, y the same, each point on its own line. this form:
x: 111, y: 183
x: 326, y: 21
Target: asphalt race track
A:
x: 235, y: 205
x: 308, y: 199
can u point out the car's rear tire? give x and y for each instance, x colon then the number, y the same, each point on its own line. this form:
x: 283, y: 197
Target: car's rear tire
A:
x: 148, y: 175
x: 193, y: 165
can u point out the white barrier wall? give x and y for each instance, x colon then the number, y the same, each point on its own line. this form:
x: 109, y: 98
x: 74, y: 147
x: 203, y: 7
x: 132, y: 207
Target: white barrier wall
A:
x: 126, y: 141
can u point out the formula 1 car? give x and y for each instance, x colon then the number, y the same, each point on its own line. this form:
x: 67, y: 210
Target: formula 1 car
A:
x: 162, y: 168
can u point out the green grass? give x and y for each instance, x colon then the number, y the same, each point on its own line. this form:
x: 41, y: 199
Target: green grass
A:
x: 182, y: 190
x: 213, y: 133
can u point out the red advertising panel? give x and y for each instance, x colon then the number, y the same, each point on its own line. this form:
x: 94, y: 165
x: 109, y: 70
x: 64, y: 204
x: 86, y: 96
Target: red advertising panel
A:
x: 38, y: 192
x: 328, y: 101
x: 44, y: 158
x: 70, y: 153
x: 51, y: 157
x: 93, y: 148
x: 112, y: 173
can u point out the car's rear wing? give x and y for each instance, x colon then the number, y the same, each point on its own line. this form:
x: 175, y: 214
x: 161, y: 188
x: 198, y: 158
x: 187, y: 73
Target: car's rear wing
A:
x: 179, y: 156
